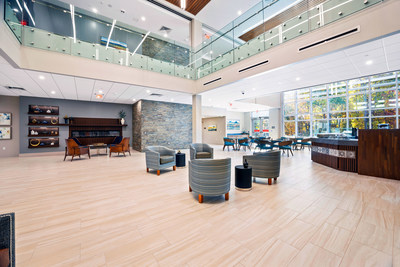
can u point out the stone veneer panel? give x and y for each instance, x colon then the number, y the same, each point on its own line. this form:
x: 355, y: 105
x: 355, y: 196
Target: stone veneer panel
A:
x: 161, y: 123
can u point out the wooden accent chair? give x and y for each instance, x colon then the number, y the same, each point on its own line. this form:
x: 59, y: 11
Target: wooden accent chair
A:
x: 74, y: 148
x: 265, y: 165
x: 229, y: 142
x: 210, y: 177
x: 121, y: 147
x: 285, y: 146
x: 244, y: 142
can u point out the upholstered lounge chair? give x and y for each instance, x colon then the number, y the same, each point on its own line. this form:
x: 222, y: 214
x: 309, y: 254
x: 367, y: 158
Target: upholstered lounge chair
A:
x: 210, y: 177
x: 265, y: 165
x: 121, y: 147
x: 159, y: 158
x: 201, y: 151
x: 74, y: 148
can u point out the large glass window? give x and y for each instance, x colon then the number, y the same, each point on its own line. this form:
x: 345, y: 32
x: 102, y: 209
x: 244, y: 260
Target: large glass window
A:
x: 362, y: 103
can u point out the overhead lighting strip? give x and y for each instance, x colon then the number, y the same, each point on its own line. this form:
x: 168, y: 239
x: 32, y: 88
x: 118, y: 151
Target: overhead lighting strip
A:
x: 19, y: 5
x: 109, y: 36
x: 144, y: 38
x: 72, y: 8
x: 29, y: 13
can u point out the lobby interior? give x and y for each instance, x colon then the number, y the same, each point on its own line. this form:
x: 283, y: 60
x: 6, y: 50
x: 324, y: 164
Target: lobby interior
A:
x: 199, y: 132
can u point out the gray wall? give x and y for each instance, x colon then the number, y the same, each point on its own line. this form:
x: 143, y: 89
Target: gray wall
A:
x: 10, y: 148
x: 163, y: 124
x: 72, y: 109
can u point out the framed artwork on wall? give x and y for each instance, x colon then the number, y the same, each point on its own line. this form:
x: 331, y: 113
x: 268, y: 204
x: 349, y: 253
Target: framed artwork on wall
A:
x: 5, y: 118
x: 5, y: 133
x: 212, y: 128
x: 233, y: 125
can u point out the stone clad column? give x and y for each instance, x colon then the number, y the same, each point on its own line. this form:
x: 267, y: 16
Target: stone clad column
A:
x: 196, y: 119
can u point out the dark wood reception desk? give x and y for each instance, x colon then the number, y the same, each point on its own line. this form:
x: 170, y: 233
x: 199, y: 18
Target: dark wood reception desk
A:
x: 375, y: 153
x: 379, y: 153
x: 340, y: 154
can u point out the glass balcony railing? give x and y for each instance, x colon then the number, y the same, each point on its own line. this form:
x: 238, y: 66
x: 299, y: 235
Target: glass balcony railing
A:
x: 47, y: 25
x: 266, y: 25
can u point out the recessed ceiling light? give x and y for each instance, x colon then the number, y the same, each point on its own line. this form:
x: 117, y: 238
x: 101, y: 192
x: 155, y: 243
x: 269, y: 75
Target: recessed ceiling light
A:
x: 41, y: 77
x: 211, y: 52
x: 165, y: 35
x: 298, y: 79
x: 369, y: 62
x: 95, y: 10
x: 134, y: 100
x: 172, y: 99
x: 53, y: 92
x: 240, y: 12
x: 143, y: 18
x: 148, y: 91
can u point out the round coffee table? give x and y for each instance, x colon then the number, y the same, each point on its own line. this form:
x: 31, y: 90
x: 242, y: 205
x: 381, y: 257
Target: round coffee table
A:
x: 243, y: 177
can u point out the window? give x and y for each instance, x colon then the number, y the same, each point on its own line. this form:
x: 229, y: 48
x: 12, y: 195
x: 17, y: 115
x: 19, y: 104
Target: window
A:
x: 362, y: 103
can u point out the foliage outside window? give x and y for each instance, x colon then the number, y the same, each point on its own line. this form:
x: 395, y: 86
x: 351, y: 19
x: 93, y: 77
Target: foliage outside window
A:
x: 362, y: 103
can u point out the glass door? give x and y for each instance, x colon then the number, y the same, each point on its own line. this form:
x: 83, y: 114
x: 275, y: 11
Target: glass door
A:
x: 260, y: 126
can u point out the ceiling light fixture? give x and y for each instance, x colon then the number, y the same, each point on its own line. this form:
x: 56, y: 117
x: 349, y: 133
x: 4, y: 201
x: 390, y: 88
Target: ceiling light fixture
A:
x: 369, y: 62
x: 100, y: 91
x: 72, y: 8
x: 183, y: 4
x: 165, y: 35
x: 109, y: 36
x: 41, y: 77
x: 144, y: 38
x: 29, y: 13
x: 172, y: 99
x: 95, y: 10
x: 143, y: 18
x: 240, y: 12
x: 148, y: 91
x: 53, y: 92
x: 298, y: 79
x: 19, y: 5
x: 134, y: 100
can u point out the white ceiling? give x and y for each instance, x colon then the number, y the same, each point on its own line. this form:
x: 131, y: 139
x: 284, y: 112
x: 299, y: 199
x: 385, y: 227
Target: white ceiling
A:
x: 75, y: 88
x: 340, y: 65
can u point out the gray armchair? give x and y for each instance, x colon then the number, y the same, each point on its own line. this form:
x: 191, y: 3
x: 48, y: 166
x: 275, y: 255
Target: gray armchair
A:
x: 159, y: 158
x: 210, y: 177
x: 265, y: 165
x: 201, y: 151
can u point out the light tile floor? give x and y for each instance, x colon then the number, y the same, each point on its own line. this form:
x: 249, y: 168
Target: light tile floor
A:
x: 110, y: 212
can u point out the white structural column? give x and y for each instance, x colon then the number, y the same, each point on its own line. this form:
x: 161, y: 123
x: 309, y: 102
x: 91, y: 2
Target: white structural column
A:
x: 196, y: 119
x: 196, y: 33
x: 196, y: 36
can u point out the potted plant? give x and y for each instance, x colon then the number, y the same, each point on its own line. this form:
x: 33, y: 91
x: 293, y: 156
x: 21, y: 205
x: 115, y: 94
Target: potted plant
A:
x: 122, y: 116
x: 66, y: 119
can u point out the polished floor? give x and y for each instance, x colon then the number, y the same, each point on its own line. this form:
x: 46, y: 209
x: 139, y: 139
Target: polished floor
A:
x: 110, y: 212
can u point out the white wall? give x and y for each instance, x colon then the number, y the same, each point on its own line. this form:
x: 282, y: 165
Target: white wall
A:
x: 230, y: 115
x: 275, y: 123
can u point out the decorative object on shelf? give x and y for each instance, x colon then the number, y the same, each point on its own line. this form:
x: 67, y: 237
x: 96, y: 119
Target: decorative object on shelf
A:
x: 43, y: 131
x: 43, y: 142
x: 122, y: 116
x: 42, y: 120
x: 43, y: 109
x: 66, y: 119
x: 245, y: 164
x: 5, y: 118
x: 5, y: 133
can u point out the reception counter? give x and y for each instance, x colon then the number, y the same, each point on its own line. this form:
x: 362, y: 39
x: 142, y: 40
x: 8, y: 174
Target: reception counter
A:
x: 340, y: 154
x: 375, y: 153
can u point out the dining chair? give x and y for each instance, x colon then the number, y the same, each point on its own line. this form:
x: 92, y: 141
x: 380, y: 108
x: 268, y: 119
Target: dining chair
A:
x: 229, y: 142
